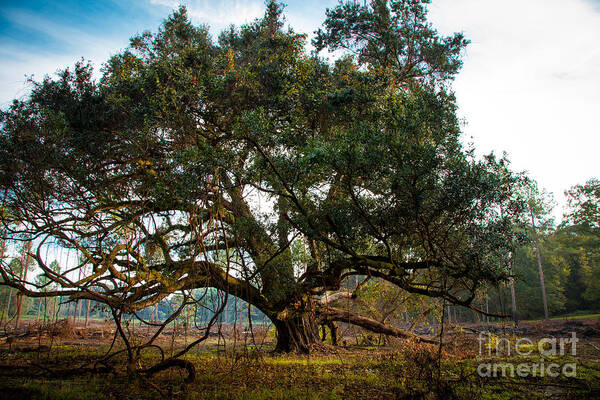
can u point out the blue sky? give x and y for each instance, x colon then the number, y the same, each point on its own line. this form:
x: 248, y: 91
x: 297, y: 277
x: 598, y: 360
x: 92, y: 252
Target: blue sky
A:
x: 530, y: 83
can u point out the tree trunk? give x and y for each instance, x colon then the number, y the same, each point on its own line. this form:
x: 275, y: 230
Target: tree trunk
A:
x: 539, y: 260
x: 334, y: 332
x: 513, y: 297
x: 8, y: 301
x: 25, y: 266
x: 298, y: 327
x: 76, y: 312
x: 19, y: 310
x: 487, y: 308
x: 2, y: 250
x: 87, y: 313
x: 297, y: 333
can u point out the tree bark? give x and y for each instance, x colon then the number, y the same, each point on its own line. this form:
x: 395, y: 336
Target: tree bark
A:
x: 297, y: 333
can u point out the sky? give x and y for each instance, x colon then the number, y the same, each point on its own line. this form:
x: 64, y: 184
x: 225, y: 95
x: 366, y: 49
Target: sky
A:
x: 530, y: 84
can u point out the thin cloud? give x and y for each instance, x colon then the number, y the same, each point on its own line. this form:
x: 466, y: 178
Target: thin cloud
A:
x: 64, y: 36
x: 64, y: 45
x: 218, y: 13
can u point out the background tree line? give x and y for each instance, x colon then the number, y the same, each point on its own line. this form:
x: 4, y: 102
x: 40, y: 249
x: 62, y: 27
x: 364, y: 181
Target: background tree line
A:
x: 570, y: 256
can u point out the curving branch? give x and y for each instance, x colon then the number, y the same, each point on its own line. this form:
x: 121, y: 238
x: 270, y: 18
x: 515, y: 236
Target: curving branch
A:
x: 336, y: 314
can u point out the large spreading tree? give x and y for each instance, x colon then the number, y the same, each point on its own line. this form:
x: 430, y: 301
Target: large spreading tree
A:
x: 253, y: 166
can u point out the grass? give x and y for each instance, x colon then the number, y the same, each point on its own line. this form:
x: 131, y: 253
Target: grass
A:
x: 408, y: 371
x: 303, y: 360
x: 575, y: 315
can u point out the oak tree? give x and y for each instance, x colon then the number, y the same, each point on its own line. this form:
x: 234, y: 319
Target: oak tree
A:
x: 251, y: 165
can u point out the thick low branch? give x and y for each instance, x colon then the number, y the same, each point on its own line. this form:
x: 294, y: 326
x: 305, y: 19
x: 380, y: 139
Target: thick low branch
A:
x: 336, y: 314
x: 190, y: 274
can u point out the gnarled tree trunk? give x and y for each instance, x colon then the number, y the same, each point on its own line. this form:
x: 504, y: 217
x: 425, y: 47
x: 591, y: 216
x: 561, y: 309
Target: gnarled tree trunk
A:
x: 298, y: 327
x: 297, y: 333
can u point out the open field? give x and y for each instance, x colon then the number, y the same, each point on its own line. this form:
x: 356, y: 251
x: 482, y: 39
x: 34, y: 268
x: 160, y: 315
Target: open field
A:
x: 63, y: 367
x: 572, y: 316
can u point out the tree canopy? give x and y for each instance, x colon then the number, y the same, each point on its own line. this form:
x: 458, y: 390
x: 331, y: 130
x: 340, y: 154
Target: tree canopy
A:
x: 250, y: 165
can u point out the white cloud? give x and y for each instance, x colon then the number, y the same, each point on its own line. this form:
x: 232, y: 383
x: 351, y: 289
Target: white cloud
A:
x: 218, y: 13
x: 530, y: 83
x: 22, y: 64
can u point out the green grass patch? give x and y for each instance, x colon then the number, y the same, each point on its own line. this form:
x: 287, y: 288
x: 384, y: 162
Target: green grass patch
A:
x: 575, y: 315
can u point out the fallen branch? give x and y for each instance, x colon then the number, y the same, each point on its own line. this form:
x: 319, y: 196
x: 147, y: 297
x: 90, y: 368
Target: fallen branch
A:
x: 173, y: 363
x: 336, y: 314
